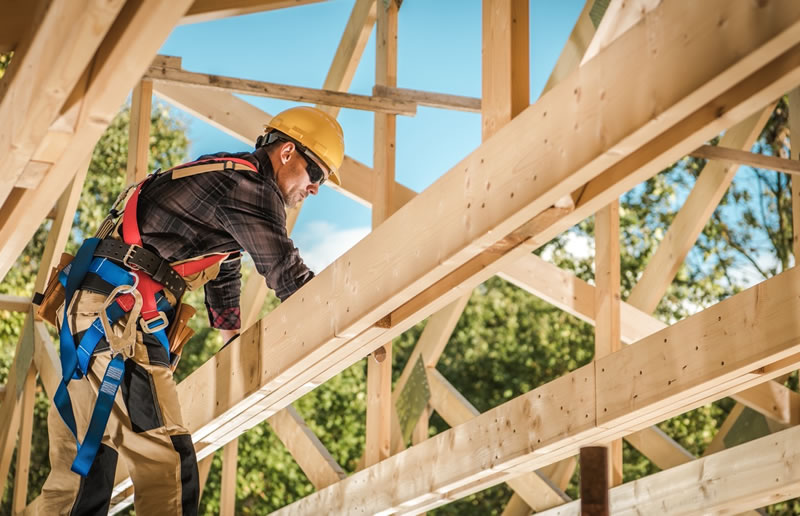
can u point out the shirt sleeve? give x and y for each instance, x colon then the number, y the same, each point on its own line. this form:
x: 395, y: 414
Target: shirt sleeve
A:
x: 222, y: 296
x: 254, y: 215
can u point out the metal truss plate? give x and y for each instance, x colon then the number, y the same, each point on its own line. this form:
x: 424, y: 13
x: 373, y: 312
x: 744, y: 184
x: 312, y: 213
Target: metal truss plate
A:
x: 413, y: 399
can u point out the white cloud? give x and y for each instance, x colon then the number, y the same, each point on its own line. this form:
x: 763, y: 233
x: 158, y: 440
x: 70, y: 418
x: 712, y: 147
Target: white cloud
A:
x: 321, y: 243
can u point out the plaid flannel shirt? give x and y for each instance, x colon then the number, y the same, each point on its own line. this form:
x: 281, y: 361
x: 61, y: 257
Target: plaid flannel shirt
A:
x: 223, y: 212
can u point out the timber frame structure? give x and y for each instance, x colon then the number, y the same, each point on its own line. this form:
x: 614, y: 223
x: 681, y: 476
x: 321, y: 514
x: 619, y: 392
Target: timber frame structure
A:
x: 702, y: 68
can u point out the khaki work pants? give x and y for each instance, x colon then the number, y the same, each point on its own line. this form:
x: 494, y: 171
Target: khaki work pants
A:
x: 145, y: 428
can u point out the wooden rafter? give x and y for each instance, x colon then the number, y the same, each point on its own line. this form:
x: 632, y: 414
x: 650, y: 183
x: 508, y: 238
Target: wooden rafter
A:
x: 676, y: 369
x: 48, y: 62
x: 351, y: 48
x: 573, y: 295
x: 299, y: 367
x: 124, y: 54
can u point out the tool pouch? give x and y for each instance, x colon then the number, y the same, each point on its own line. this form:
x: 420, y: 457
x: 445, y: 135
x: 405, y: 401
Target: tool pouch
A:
x: 53, y: 296
x: 179, y: 333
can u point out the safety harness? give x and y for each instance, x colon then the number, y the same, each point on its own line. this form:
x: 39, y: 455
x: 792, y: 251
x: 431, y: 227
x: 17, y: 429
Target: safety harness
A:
x: 135, y: 288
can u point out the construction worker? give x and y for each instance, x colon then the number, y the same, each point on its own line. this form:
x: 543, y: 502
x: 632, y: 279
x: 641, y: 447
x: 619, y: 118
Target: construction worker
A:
x: 121, y: 323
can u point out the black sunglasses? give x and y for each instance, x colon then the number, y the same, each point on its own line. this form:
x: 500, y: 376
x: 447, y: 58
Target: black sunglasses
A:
x: 315, y: 173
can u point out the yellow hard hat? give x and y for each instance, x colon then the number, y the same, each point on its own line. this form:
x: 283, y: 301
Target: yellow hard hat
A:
x: 315, y: 130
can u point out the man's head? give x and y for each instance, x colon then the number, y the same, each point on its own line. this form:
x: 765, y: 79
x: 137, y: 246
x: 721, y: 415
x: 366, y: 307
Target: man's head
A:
x: 306, y: 148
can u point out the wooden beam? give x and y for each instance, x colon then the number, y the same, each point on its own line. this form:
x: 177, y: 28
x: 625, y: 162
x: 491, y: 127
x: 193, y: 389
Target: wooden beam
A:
x: 58, y: 236
x: 747, y: 476
x: 47, y: 64
x: 430, y: 99
x: 207, y: 10
x: 45, y: 358
x: 127, y: 49
x: 704, y: 356
x: 351, y: 48
x: 764, y: 83
x: 568, y: 292
x: 10, y: 408
x: 607, y: 318
x: 18, y: 18
x: 574, y: 49
x: 281, y: 91
x: 14, y: 303
x: 505, y: 63
x: 619, y: 17
x: 711, y: 185
x: 740, y: 157
x: 534, y: 488
x: 230, y: 458
x: 311, y: 455
x: 20, y: 497
x: 794, y: 129
x: 379, y: 373
x: 300, y: 354
x: 139, y: 132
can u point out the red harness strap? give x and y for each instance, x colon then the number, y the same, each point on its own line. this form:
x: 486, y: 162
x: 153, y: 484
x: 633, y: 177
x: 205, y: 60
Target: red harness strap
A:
x: 148, y: 287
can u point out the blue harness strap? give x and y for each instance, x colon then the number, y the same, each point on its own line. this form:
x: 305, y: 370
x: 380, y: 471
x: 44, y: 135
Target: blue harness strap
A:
x: 75, y: 359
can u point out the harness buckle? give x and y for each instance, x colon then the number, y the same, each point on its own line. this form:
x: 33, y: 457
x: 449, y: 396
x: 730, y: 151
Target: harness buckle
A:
x: 162, y: 323
x: 128, y: 255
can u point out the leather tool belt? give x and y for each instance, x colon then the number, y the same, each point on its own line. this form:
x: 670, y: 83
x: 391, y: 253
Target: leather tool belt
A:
x: 136, y: 257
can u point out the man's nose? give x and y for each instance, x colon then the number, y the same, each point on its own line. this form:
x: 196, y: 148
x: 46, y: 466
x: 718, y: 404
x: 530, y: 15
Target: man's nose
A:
x: 313, y: 188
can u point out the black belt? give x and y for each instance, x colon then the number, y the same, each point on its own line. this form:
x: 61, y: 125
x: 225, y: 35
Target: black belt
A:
x: 135, y: 257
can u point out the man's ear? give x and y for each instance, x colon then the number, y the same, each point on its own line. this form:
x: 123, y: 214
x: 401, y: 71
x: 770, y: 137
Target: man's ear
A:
x: 286, y: 152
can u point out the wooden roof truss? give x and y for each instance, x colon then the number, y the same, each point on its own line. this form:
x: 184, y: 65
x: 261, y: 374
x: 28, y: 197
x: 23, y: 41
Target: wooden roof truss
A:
x: 701, y: 67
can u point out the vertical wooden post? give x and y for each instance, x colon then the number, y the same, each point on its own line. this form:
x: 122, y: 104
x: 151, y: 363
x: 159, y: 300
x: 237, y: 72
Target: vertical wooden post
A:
x: 607, y: 304
x: 794, y: 129
x: 379, y: 374
x: 594, y: 481
x: 230, y: 458
x: 139, y: 132
x: 24, y: 442
x: 505, y: 63
x: 505, y: 88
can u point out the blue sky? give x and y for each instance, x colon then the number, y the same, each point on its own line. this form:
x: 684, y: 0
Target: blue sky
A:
x: 439, y: 50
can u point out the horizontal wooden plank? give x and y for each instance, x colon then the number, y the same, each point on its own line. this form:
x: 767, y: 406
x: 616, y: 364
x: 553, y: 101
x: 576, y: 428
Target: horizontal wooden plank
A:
x: 392, y: 105
x: 748, y: 476
x: 207, y: 10
x: 751, y: 159
x: 430, y: 99
x: 14, y: 303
